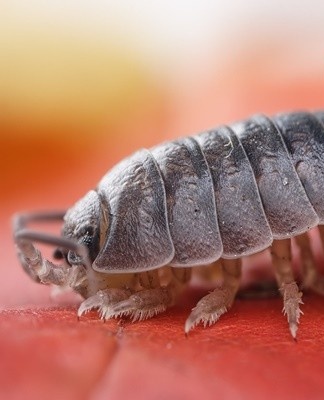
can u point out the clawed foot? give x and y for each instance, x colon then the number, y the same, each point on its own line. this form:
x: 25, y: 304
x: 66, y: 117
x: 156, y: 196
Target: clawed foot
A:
x: 104, y: 300
x: 210, y: 308
x: 144, y: 304
x: 113, y: 303
x: 292, y: 299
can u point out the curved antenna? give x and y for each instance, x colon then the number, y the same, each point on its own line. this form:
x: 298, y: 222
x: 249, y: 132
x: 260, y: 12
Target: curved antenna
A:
x: 33, y: 262
x: 22, y: 219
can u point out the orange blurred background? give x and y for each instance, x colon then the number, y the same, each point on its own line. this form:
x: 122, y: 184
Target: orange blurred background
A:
x: 83, y: 85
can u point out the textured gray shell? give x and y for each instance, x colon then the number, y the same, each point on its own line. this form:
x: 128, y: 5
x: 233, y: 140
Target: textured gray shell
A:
x: 139, y: 236
x: 227, y: 192
x: 303, y: 135
x: 190, y: 202
x: 283, y: 196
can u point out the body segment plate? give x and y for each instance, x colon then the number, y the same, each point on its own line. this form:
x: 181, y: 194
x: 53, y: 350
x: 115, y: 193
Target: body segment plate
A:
x: 242, y: 221
x: 190, y: 202
x: 303, y: 134
x: 138, y: 236
x: 281, y: 191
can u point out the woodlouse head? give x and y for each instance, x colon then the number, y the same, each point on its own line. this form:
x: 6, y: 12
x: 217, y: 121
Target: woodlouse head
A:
x: 82, y: 224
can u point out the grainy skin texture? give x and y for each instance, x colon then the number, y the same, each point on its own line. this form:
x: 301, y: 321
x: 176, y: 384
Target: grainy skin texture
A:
x: 139, y: 237
x: 303, y: 135
x: 130, y: 245
x: 242, y: 221
x: 190, y: 202
x: 280, y: 188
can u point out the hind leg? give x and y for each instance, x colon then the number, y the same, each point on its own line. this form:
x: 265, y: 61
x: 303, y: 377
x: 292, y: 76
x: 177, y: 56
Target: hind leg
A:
x: 311, y: 279
x: 209, y: 309
x: 281, y: 260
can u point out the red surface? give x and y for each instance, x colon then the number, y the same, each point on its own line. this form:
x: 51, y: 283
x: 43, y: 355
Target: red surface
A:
x: 248, y: 354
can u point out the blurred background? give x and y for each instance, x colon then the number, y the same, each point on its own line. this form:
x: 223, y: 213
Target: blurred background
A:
x: 83, y: 84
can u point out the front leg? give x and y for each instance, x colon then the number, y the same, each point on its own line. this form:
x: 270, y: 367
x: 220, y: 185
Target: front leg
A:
x: 104, y: 300
x: 152, y: 298
x: 144, y: 304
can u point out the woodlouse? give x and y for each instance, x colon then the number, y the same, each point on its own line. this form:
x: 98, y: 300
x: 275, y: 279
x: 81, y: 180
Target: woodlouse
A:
x: 130, y: 245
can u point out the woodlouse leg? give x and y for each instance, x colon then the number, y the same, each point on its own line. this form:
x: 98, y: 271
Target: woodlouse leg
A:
x: 149, y: 279
x: 104, y: 300
x: 181, y: 276
x: 321, y: 231
x: 209, y: 309
x: 146, y: 303
x: 210, y: 273
x: 311, y: 278
x: 281, y: 259
x: 318, y: 282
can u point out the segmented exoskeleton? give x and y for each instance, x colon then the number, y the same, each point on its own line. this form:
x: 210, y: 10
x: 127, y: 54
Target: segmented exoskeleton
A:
x: 210, y: 199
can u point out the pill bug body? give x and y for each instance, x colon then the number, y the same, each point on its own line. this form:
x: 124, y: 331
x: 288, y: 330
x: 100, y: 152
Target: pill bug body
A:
x: 225, y: 193
x: 222, y: 194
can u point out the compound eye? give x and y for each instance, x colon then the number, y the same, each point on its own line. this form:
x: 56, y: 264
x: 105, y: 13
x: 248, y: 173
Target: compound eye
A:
x: 89, y: 236
x: 89, y: 230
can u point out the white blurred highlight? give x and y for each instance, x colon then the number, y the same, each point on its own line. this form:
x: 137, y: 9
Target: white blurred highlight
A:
x: 180, y: 34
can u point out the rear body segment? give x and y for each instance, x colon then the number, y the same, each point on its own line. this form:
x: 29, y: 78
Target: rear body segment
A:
x: 283, y: 196
x: 303, y: 134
